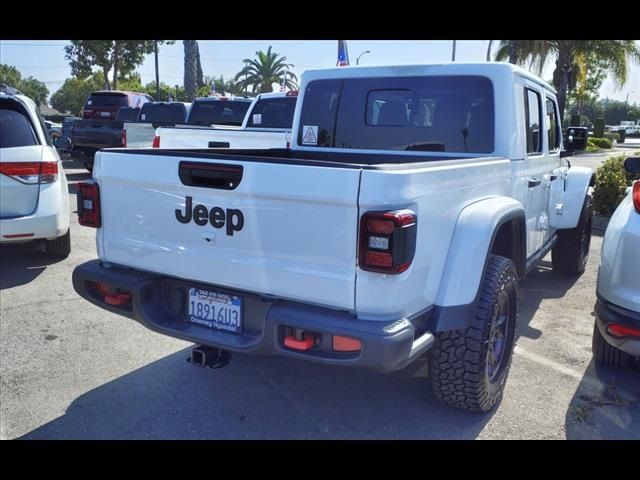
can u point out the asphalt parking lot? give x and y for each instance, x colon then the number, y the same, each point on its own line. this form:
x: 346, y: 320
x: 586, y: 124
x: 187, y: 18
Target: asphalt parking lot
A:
x: 69, y: 370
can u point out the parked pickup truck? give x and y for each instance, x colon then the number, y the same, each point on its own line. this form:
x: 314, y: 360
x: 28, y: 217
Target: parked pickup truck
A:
x: 103, y: 115
x: 140, y: 132
x: 267, y: 124
x: 412, y: 202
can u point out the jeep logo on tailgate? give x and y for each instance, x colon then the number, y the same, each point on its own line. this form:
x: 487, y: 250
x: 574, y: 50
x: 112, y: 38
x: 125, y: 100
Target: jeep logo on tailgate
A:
x: 233, y: 219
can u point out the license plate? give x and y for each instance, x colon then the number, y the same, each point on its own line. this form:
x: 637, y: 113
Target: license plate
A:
x: 215, y: 310
x: 105, y: 114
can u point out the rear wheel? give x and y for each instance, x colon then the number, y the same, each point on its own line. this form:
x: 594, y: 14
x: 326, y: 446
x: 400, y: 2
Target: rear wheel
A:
x: 571, y: 252
x: 469, y: 367
x: 606, y: 354
x: 60, y: 247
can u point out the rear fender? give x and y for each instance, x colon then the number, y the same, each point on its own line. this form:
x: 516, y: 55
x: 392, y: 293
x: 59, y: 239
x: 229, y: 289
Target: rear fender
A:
x: 473, y: 240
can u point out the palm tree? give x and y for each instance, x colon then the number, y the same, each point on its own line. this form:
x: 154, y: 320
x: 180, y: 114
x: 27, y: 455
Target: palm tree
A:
x: 268, y: 68
x: 192, y: 69
x: 570, y: 55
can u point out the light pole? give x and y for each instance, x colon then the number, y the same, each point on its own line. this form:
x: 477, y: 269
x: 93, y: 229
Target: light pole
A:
x: 453, y: 52
x: 363, y: 53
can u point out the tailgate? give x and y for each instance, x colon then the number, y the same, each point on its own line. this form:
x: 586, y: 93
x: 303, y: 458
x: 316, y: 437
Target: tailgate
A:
x: 97, y: 134
x: 284, y: 230
x: 221, y: 138
x: 139, y: 135
x: 18, y: 199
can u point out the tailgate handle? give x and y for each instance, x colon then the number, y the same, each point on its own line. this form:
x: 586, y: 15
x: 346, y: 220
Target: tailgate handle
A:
x: 218, y: 144
x: 210, y: 175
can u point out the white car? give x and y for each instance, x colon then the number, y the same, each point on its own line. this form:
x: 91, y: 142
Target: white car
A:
x: 34, y: 197
x: 616, y: 335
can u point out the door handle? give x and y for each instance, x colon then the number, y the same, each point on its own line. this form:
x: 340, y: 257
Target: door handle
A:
x: 210, y: 175
x: 534, y: 182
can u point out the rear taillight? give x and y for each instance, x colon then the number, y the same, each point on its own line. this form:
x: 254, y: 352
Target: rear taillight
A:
x: 124, y: 137
x: 635, y: 194
x: 292, y: 93
x: 31, y: 173
x: 387, y: 241
x: 89, y: 205
x: 87, y: 113
x: 156, y: 142
x: 621, y: 331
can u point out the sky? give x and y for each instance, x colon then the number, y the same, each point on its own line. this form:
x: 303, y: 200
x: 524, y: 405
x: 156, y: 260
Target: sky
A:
x: 44, y: 59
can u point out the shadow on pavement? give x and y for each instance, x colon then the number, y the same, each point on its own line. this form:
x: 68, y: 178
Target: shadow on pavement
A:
x: 606, y: 404
x: 261, y: 398
x: 21, y: 263
x: 542, y: 283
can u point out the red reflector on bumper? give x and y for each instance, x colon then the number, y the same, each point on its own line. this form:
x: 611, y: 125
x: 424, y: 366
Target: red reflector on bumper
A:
x: 118, y: 299
x: 346, y: 344
x: 305, y: 344
x: 617, y: 330
x: 18, y: 235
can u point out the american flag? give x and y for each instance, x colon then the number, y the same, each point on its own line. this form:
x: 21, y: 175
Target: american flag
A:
x: 343, y: 54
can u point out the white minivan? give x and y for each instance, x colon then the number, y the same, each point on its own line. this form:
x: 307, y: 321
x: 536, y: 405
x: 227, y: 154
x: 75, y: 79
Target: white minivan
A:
x: 34, y: 196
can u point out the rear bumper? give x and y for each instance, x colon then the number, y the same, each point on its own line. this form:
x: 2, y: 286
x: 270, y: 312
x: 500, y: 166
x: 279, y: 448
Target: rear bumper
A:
x: 159, y: 303
x: 607, y: 313
x: 50, y: 219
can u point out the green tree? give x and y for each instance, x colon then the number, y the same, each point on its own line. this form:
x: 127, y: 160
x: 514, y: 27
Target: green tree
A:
x: 10, y: 75
x: 35, y: 90
x: 616, y: 111
x: 165, y: 91
x: 74, y: 92
x: 265, y: 70
x: 116, y: 56
x: 228, y: 87
x: 31, y: 87
x: 613, y: 55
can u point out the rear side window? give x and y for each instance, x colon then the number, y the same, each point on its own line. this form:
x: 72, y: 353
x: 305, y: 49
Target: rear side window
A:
x: 533, y: 120
x: 438, y: 114
x: 553, y: 126
x: 163, y: 113
x: 15, y: 129
x: 218, y: 112
x: 319, y: 110
x: 107, y: 100
x: 273, y: 113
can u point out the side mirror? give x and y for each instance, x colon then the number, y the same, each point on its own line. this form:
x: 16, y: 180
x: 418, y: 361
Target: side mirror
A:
x: 632, y: 165
x: 62, y: 143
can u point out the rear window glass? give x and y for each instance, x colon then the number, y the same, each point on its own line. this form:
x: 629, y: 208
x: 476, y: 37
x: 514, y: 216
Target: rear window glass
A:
x: 15, y: 129
x: 106, y: 100
x: 218, y: 112
x: 163, y: 113
x: 128, y: 114
x: 273, y: 113
x: 438, y: 114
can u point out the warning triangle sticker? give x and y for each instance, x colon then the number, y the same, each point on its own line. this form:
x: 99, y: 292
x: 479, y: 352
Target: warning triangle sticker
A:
x: 310, y: 135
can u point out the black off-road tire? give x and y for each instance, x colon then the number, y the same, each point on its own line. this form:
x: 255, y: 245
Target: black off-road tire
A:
x: 571, y: 252
x: 60, y: 247
x: 459, y: 360
x: 606, y: 354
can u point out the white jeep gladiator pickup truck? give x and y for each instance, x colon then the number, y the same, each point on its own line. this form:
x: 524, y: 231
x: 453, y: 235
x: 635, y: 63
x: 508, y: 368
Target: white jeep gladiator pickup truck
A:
x: 267, y: 124
x: 399, y: 223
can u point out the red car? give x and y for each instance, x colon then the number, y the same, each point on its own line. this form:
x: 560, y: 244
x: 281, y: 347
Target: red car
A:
x: 104, y: 105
